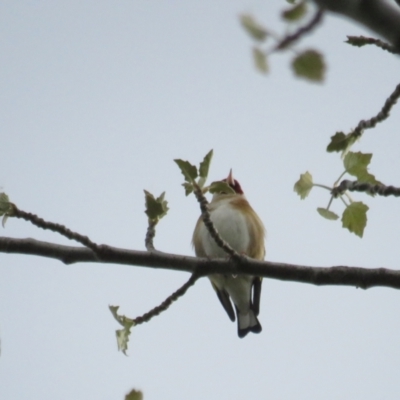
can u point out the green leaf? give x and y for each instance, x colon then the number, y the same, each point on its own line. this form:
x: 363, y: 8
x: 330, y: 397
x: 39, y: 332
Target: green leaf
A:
x: 134, y: 395
x: 367, y: 177
x: 354, y: 217
x: 188, y: 170
x: 122, y: 334
x: 253, y: 28
x: 121, y: 319
x: 156, y: 208
x: 260, y: 60
x: 309, y: 65
x: 205, y: 166
x: 356, y: 164
x: 188, y: 188
x: 340, y: 142
x: 123, y: 338
x: 295, y: 13
x: 5, y: 205
x: 6, y: 208
x: 220, y: 187
x: 327, y: 214
x: 304, y: 185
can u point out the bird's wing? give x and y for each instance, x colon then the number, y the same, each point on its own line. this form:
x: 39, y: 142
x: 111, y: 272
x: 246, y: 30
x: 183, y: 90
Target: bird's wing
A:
x: 255, y: 304
x: 225, y: 301
x: 196, y: 240
x: 255, y: 226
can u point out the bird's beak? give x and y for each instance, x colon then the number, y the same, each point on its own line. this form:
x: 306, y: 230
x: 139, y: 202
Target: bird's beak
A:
x: 229, y: 180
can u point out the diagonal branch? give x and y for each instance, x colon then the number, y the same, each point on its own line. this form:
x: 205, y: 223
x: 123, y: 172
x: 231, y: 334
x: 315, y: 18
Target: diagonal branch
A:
x: 291, y: 39
x: 58, y: 228
x: 168, y: 301
x: 342, y: 142
x: 340, y: 275
x: 381, y: 116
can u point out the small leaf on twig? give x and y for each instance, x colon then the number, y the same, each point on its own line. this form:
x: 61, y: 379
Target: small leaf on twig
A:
x: 122, y: 334
x: 5, y: 205
x: 205, y: 165
x: 304, y: 185
x: 356, y: 164
x: 188, y: 188
x: 220, y: 187
x: 5, y: 208
x: 188, y: 170
x: 260, y: 60
x: 340, y: 142
x: 327, y: 214
x: 295, y: 13
x: 134, y: 395
x: 354, y: 217
x: 156, y: 208
x: 309, y: 65
x: 253, y: 28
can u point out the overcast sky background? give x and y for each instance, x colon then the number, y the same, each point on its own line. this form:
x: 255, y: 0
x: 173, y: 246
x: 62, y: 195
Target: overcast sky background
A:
x: 96, y: 100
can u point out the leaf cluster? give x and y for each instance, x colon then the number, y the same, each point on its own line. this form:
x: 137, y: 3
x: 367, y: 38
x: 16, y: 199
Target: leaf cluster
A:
x: 194, y: 175
x: 354, y: 216
x: 308, y: 64
x: 156, y: 208
x: 198, y: 176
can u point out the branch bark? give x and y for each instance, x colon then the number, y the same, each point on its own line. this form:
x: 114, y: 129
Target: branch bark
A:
x: 379, y: 16
x: 339, y: 275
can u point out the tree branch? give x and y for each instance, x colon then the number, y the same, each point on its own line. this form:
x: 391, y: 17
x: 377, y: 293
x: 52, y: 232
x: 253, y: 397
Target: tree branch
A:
x: 381, y: 116
x: 150, y: 234
x: 370, y: 188
x: 361, y: 41
x: 301, y: 32
x: 46, y: 225
x: 380, y: 16
x: 167, y: 302
x: 342, y: 142
x: 340, y: 275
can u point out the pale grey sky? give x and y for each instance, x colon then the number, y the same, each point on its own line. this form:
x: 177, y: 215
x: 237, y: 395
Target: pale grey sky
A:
x: 96, y: 100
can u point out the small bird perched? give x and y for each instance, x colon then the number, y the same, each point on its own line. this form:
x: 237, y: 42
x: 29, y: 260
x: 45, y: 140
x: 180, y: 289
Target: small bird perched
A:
x: 238, y: 225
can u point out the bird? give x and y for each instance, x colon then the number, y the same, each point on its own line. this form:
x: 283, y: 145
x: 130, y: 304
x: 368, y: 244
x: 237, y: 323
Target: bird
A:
x: 238, y: 225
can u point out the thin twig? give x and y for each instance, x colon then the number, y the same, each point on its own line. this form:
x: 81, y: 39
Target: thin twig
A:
x: 205, y: 214
x: 167, y: 302
x: 58, y: 228
x: 381, y: 116
x: 291, y: 39
x: 151, y: 232
x: 360, y: 41
x: 356, y: 186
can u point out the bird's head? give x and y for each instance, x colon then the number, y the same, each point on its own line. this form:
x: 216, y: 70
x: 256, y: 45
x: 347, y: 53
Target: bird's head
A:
x: 233, y: 183
x: 226, y: 187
